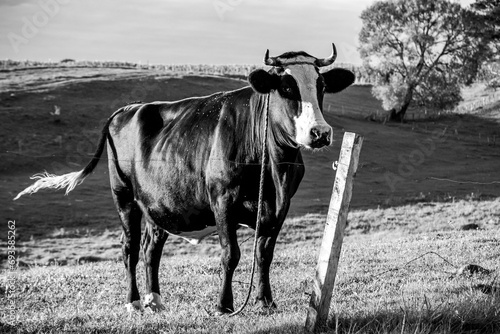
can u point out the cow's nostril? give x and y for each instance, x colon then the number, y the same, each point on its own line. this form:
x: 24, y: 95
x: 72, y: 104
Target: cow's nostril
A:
x: 315, y: 133
x: 329, y: 136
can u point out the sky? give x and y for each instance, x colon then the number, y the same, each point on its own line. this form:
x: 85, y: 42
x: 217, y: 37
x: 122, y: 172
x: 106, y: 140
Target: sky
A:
x: 179, y: 31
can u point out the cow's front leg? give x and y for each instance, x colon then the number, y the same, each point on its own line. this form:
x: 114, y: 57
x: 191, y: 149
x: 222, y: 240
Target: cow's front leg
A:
x: 152, y: 245
x: 265, y: 251
x: 229, y: 261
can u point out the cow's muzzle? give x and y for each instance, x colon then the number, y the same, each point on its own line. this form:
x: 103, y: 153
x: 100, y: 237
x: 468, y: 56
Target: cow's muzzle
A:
x: 321, y: 135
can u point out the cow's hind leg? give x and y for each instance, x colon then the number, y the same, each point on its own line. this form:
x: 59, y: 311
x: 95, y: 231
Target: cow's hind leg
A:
x: 130, y: 216
x: 152, y: 245
x: 131, y: 237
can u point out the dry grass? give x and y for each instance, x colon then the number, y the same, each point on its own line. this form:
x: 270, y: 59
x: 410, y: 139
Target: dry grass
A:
x: 427, y: 217
x: 390, y: 281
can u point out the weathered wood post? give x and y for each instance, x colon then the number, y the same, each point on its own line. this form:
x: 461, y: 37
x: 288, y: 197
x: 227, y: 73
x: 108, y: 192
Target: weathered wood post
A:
x: 331, y: 244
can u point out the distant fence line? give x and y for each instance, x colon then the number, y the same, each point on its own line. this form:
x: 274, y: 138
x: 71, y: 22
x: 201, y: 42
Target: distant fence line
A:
x: 467, y: 108
x: 425, y: 114
x: 363, y: 75
x: 7, y: 65
x: 242, y: 70
x: 461, y: 109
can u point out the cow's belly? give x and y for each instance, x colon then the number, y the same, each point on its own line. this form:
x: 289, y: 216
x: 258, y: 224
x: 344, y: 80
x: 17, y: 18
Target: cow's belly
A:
x: 194, y: 237
x: 195, y: 224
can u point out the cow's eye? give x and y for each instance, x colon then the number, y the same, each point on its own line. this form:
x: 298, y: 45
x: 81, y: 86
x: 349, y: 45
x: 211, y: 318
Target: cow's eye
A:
x: 288, y: 88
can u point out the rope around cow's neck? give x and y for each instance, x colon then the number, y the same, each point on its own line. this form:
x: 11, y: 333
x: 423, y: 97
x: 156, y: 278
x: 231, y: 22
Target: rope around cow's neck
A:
x: 259, y: 205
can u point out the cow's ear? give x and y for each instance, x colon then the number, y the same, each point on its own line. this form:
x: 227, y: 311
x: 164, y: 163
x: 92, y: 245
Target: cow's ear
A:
x: 263, y: 82
x: 337, y: 79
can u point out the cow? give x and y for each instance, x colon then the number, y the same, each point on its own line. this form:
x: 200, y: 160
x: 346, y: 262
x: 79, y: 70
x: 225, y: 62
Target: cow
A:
x: 191, y: 167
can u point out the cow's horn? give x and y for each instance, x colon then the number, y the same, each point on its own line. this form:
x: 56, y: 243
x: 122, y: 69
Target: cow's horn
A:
x: 329, y: 60
x: 270, y: 61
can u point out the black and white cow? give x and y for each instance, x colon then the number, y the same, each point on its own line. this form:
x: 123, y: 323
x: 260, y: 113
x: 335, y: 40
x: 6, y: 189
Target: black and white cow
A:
x: 191, y: 167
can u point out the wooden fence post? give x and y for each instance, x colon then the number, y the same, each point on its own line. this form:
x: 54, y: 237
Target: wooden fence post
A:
x: 331, y: 244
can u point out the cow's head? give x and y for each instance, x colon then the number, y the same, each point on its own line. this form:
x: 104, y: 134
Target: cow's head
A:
x: 299, y: 87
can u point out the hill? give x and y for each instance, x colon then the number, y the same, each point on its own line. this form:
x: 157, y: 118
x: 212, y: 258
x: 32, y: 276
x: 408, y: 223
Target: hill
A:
x: 417, y: 185
x: 399, y: 163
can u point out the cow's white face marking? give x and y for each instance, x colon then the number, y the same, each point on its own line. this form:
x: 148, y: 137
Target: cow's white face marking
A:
x: 304, y: 123
x: 309, y: 115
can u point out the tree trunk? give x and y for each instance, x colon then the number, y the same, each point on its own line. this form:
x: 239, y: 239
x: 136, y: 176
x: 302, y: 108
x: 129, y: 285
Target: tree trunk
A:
x: 399, y: 115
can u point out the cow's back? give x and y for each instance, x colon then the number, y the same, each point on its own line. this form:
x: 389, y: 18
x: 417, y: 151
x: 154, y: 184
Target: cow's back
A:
x: 164, y: 143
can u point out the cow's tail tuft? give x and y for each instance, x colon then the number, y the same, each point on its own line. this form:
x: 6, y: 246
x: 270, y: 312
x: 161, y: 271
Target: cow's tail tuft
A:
x: 70, y: 180
x: 51, y: 181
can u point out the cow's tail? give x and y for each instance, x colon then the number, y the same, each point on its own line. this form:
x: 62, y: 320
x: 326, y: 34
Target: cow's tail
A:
x: 70, y: 180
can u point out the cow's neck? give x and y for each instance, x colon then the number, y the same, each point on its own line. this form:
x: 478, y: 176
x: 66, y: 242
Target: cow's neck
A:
x: 284, y: 157
x: 280, y: 147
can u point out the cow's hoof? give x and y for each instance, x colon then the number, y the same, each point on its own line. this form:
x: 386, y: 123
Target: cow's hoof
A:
x: 220, y: 310
x: 134, y: 307
x: 153, y: 302
x: 264, y: 304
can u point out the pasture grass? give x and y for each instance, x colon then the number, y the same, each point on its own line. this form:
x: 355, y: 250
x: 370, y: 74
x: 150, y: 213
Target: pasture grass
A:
x: 399, y: 278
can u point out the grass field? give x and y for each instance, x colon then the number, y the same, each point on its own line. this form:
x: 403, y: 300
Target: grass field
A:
x: 409, y: 198
x: 388, y: 280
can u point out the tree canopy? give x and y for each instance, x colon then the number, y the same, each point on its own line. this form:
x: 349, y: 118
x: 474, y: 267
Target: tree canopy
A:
x: 419, y: 50
x: 488, y: 16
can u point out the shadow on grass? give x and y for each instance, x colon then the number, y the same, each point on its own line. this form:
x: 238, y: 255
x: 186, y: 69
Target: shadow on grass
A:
x: 400, y: 323
x: 419, y: 323
x: 379, y: 323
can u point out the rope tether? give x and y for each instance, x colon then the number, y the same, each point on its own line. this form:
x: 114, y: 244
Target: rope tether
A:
x: 259, y: 205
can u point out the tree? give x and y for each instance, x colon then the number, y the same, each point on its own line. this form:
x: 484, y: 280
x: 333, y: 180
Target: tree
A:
x: 416, y: 47
x: 489, y: 12
x: 483, y: 38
